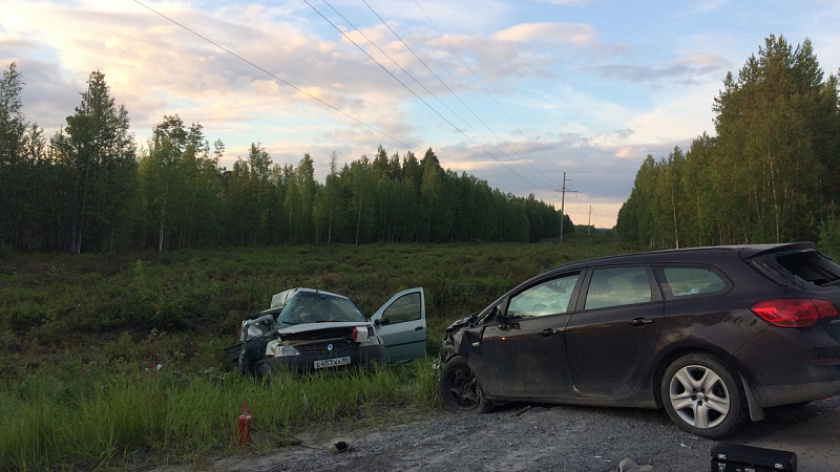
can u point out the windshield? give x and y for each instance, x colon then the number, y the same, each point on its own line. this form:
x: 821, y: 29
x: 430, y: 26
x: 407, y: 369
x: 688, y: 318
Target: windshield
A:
x: 310, y: 307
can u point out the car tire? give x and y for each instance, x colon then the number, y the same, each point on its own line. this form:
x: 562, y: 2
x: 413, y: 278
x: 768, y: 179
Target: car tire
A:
x: 703, y: 395
x: 459, y: 388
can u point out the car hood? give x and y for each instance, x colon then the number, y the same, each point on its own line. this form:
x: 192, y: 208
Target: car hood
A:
x: 461, y: 322
x: 307, y: 327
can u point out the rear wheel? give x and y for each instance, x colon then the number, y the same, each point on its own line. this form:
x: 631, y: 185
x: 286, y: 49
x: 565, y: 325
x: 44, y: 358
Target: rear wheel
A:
x: 459, y: 388
x: 703, y: 395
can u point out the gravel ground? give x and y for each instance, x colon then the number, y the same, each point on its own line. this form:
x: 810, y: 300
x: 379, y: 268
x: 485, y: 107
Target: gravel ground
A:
x: 532, y: 438
x: 510, y: 439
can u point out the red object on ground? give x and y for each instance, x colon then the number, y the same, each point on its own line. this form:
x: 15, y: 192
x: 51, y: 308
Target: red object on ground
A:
x: 245, y: 426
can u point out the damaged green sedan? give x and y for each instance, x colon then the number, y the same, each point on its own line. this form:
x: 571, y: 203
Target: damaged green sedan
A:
x: 306, y: 330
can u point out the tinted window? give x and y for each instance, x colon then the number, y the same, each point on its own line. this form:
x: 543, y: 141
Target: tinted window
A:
x: 406, y: 308
x: 547, y: 298
x: 678, y: 282
x: 618, y: 286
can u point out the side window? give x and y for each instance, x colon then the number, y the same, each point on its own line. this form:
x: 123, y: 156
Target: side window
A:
x: 547, y: 298
x: 686, y: 281
x: 405, y: 308
x: 617, y: 286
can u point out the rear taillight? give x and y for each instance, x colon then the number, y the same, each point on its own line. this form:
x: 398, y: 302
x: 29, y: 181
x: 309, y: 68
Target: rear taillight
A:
x: 794, y: 312
x: 239, y: 334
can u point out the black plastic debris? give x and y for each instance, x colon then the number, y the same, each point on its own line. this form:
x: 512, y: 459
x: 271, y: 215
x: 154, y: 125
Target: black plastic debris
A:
x: 738, y: 458
x: 339, y: 447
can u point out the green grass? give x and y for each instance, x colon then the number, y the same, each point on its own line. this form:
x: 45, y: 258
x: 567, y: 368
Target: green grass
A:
x: 77, y: 417
x: 82, y: 337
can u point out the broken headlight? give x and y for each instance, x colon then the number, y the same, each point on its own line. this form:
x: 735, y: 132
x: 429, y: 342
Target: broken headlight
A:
x: 285, y: 351
x: 371, y: 341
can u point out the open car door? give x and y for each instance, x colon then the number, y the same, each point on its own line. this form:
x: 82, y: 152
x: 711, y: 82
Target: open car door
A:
x: 401, y: 323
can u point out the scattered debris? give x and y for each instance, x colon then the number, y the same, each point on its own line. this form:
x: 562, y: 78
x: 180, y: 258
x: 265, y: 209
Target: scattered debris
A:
x: 518, y: 413
x: 289, y: 442
x: 340, y: 447
x: 629, y: 465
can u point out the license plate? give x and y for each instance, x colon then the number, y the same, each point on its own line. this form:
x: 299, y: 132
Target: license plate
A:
x: 320, y: 364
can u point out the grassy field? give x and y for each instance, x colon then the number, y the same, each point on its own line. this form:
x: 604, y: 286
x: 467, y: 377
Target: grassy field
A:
x: 82, y: 338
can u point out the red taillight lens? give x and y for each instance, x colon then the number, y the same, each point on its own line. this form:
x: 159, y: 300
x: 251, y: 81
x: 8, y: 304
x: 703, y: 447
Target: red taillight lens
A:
x: 794, y: 312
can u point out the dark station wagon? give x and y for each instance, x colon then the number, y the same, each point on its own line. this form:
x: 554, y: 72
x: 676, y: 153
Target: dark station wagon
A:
x: 714, y: 335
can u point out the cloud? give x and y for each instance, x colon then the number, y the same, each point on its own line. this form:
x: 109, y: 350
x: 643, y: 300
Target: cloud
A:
x: 561, y: 2
x: 687, y: 70
x: 554, y: 33
x: 157, y: 68
x: 574, y: 106
x: 472, y: 166
x: 46, y: 95
x: 464, y: 15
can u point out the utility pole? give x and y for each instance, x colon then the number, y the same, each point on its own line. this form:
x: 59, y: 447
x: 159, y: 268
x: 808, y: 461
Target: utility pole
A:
x: 589, y: 223
x: 563, y: 207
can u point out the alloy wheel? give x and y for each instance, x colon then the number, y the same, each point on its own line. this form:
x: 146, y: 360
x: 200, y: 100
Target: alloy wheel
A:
x: 699, y: 396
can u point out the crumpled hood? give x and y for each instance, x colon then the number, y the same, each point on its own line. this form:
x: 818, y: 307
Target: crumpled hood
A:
x: 461, y: 322
x: 308, y: 327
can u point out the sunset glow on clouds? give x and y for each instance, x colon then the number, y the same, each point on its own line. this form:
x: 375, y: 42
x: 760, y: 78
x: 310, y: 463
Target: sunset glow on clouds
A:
x: 513, y: 92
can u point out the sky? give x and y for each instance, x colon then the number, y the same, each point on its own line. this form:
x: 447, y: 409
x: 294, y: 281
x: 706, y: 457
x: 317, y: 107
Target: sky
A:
x: 517, y: 93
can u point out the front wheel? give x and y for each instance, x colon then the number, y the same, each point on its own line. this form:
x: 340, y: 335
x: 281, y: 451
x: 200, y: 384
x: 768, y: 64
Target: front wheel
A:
x: 459, y: 388
x: 703, y: 395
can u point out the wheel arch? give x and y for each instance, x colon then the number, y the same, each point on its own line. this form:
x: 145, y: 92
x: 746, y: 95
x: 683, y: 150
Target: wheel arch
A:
x: 667, y: 358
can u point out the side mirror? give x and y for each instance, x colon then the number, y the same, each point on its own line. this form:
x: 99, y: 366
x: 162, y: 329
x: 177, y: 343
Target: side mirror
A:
x: 381, y: 321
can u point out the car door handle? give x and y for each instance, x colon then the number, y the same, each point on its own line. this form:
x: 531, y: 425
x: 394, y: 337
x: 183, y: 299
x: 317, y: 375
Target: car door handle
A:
x: 641, y: 321
x: 548, y: 332
x: 419, y: 328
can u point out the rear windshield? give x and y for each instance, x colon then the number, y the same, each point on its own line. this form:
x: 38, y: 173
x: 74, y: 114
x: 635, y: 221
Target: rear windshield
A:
x: 806, y: 268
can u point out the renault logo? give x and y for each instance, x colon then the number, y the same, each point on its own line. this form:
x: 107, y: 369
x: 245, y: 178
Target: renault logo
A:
x: 329, y: 347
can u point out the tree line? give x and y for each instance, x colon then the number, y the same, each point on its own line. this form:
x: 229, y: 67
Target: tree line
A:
x: 770, y: 174
x: 89, y: 188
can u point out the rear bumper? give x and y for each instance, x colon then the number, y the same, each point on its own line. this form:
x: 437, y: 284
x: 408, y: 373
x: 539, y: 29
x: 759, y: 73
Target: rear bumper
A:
x: 776, y: 395
x: 788, y: 365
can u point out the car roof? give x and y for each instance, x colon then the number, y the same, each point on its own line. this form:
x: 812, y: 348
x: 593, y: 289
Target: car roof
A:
x: 693, y: 254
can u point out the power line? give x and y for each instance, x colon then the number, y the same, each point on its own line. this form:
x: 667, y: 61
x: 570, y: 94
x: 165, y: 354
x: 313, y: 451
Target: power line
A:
x: 328, y: 105
x: 273, y: 76
x: 406, y: 72
x: 390, y: 58
x: 452, y: 92
x: 483, y: 149
x: 481, y: 84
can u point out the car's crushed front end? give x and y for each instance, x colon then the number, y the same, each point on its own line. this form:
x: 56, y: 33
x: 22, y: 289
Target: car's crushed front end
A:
x: 451, y: 341
x: 325, y: 346
x: 307, y: 330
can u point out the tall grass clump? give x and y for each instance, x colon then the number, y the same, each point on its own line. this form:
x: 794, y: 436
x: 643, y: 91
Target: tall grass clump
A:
x: 91, y: 420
